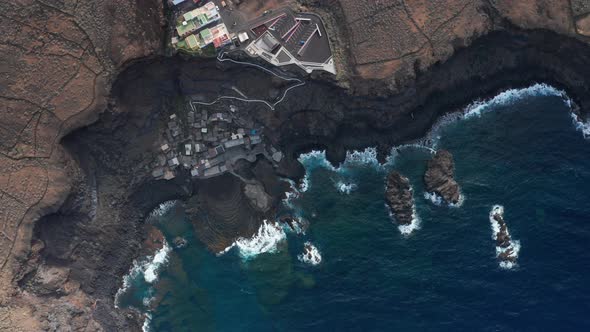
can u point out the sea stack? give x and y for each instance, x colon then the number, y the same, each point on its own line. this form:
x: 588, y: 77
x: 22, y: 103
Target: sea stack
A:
x: 439, y: 177
x: 506, y: 248
x: 399, y: 198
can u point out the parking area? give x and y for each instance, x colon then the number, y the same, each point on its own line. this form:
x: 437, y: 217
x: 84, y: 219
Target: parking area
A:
x: 302, y: 34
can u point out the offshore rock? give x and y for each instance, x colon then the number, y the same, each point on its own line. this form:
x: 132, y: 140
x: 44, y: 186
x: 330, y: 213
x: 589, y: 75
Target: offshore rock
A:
x: 439, y: 177
x: 506, y: 248
x: 399, y: 198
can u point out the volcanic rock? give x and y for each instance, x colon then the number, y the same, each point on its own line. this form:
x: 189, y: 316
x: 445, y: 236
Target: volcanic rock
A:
x: 439, y: 177
x: 506, y: 250
x: 399, y: 198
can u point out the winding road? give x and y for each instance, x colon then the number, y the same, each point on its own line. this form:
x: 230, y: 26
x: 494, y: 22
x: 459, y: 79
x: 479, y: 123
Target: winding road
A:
x: 272, y: 106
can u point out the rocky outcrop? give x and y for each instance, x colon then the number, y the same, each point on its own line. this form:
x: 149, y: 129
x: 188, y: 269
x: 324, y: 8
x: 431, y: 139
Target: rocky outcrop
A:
x: 506, y: 248
x: 399, y: 198
x: 439, y: 177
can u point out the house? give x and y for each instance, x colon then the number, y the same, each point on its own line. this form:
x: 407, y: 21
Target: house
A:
x: 188, y: 148
x: 165, y: 147
x: 194, y: 172
x: 199, y: 147
x: 186, y: 28
x: 173, y: 162
x: 255, y: 139
x: 193, y: 42
x: 203, y: 15
x: 217, y: 35
x: 234, y: 143
x: 169, y: 175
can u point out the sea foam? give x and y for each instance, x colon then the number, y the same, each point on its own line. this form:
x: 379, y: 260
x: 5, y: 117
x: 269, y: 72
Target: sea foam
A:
x: 146, y: 322
x: 310, y: 255
x: 507, y: 97
x: 266, y: 240
x: 345, y: 187
x: 146, y: 268
x: 162, y: 209
x: 583, y: 127
x: 514, y: 244
x: 408, y: 229
x: 437, y: 200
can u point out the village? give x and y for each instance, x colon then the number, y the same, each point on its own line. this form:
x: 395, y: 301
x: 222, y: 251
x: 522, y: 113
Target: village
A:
x: 209, y: 141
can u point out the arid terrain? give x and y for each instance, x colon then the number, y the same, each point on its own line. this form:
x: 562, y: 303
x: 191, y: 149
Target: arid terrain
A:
x: 394, y: 41
x: 69, y: 206
x: 58, y: 61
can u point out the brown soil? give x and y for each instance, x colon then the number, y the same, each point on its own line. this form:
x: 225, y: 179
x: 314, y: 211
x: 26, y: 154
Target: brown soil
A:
x: 59, y: 59
x: 395, y: 41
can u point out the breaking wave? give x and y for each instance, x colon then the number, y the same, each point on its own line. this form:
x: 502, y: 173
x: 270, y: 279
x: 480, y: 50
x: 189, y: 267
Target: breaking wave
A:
x: 414, y: 225
x: 367, y: 156
x: 310, y: 255
x: 146, y: 322
x: 437, y: 200
x: 513, y: 249
x: 266, y: 240
x: 345, y: 187
x: 507, y: 97
x: 580, y: 125
x: 147, y: 269
x: 162, y: 209
x: 160, y: 259
x: 293, y: 193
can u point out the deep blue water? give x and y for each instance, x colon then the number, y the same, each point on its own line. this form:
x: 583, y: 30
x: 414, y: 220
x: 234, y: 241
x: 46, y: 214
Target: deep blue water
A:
x: 525, y: 155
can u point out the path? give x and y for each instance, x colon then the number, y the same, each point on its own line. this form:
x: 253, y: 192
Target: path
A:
x: 272, y: 106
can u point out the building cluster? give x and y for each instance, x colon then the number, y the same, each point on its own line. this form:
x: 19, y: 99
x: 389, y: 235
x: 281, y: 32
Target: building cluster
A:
x: 207, y: 144
x: 201, y: 27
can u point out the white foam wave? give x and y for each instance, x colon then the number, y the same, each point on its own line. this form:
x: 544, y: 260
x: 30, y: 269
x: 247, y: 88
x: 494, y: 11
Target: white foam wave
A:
x: 304, y: 186
x: 514, y: 244
x: 291, y: 194
x: 299, y: 225
x: 149, y: 267
x: 580, y: 125
x: 162, y: 209
x: 395, y: 151
x: 310, y: 255
x: 434, y: 198
x: 345, y: 187
x: 367, y: 156
x: 509, y: 96
x: 160, y: 259
x: 437, y: 200
x: 504, y: 98
x: 266, y: 240
x: 146, y: 322
x: 408, y: 229
x: 315, y: 159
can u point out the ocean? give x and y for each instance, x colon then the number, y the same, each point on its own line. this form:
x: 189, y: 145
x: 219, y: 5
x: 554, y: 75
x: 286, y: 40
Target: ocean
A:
x: 520, y: 150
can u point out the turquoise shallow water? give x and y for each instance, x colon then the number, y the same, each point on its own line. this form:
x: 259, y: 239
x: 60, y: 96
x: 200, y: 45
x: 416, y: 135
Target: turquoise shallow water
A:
x: 524, y: 155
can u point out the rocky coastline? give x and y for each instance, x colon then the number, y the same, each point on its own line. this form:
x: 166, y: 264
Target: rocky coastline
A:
x: 317, y: 115
x: 88, y: 237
